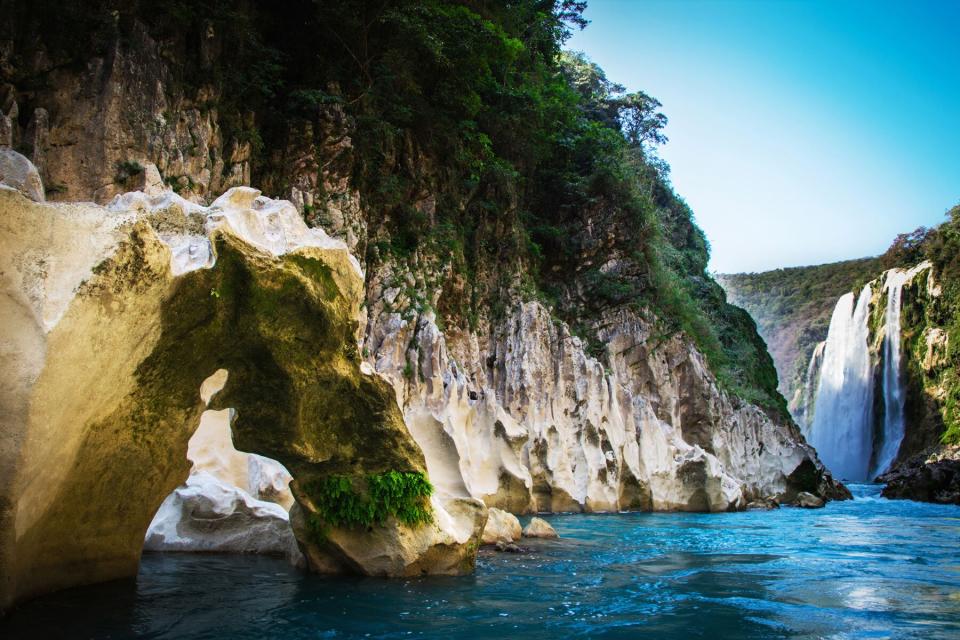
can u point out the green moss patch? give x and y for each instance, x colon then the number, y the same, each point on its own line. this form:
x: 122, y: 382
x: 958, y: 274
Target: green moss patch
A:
x: 362, y: 502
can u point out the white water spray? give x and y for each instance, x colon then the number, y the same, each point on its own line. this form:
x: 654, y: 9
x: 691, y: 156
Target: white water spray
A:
x: 893, y: 397
x: 841, y: 427
x: 841, y: 430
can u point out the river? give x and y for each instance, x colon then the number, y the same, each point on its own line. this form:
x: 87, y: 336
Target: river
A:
x: 867, y: 568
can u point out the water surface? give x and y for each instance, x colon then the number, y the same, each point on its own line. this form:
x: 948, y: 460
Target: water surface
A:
x: 869, y: 568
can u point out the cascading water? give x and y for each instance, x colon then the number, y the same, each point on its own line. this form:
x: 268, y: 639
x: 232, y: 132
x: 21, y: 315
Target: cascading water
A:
x: 893, y: 397
x: 841, y: 427
x: 807, y: 396
x: 842, y: 423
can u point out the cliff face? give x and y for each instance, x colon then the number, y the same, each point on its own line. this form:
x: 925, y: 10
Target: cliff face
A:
x: 533, y: 293
x: 527, y: 421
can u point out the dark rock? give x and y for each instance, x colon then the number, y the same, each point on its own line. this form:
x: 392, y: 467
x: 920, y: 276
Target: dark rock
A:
x: 809, y: 501
x: 763, y: 504
x: 509, y: 547
x: 927, y: 482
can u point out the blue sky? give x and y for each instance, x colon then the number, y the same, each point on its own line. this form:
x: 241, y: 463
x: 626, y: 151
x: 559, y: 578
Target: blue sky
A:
x: 801, y: 132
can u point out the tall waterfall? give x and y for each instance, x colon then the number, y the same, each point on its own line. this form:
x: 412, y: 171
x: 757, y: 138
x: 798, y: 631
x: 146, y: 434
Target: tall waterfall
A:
x: 841, y: 426
x: 842, y: 423
x: 893, y: 396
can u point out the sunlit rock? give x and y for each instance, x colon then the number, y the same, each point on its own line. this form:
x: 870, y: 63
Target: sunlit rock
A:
x: 527, y: 421
x: 113, y: 318
x: 206, y: 514
x: 539, y: 528
x: 501, y: 527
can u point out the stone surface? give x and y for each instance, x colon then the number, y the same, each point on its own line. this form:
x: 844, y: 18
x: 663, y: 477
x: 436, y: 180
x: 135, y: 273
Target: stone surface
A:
x: 809, y: 501
x: 448, y: 545
x: 206, y: 514
x: 501, y: 527
x: 114, y: 317
x: 763, y: 505
x: 927, y: 478
x: 230, y: 501
x: 525, y: 420
x: 17, y: 172
x: 539, y: 528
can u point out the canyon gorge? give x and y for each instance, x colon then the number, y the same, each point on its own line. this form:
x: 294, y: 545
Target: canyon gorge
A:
x: 384, y: 293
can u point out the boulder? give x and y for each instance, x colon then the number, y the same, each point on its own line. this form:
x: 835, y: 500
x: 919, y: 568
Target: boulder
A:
x: 17, y: 172
x: 925, y: 480
x: 809, y: 501
x: 501, y: 527
x: 446, y: 546
x: 539, y: 528
x: 207, y: 514
x: 763, y: 504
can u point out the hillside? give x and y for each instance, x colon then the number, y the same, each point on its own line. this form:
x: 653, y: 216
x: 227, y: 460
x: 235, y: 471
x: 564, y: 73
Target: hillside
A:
x: 792, y: 308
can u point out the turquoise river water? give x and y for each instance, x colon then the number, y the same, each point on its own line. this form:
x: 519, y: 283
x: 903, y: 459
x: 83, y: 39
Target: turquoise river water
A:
x: 867, y: 568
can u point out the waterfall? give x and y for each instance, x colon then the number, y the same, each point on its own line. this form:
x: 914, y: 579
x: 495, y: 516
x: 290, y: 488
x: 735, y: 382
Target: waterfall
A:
x: 806, y: 397
x: 842, y: 422
x: 838, y: 421
x: 893, y: 397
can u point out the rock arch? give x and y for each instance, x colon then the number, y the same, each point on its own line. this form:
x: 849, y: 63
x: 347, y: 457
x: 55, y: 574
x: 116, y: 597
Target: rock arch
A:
x: 114, y: 317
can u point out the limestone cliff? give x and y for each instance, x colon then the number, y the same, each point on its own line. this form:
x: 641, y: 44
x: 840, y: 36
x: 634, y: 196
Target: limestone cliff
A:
x: 527, y: 421
x: 526, y: 314
x: 115, y: 317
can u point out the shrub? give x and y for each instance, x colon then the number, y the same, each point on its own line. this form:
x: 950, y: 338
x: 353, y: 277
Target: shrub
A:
x: 399, y: 494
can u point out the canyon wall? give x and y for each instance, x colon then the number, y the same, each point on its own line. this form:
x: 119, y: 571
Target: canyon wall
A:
x: 521, y: 309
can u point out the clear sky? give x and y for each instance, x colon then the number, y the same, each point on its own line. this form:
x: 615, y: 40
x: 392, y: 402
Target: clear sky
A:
x: 801, y: 132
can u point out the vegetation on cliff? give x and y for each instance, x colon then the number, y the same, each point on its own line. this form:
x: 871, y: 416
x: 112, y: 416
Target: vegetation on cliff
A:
x: 401, y: 495
x: 932, y: 326
x: 480, y: 150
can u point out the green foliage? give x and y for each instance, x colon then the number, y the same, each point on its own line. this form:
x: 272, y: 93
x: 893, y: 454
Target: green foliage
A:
x: 339, y: 502
x: 126, y: 170
x: 475, y: 104
x: 942, y: 247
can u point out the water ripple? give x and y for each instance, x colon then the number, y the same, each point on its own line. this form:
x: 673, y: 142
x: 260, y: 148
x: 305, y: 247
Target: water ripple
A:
x: 869, y: 568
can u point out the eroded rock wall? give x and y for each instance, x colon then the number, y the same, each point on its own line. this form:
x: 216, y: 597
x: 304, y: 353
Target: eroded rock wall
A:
x: 526, y: 421
x: 115, y: 316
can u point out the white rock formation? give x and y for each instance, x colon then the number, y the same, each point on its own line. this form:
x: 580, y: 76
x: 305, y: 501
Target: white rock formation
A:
x: 501, y: 527
x: 207, y: 514
x: 539, y: 528
x: 528, y: 422
x: 232, y: 501
x: 96, y: 415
